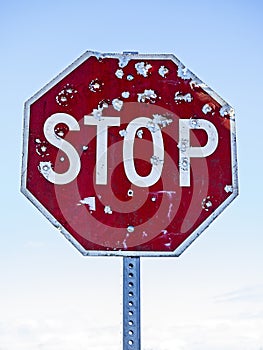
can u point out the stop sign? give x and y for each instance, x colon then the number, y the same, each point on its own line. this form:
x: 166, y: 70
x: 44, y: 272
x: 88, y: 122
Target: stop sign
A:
x: 129, y: 154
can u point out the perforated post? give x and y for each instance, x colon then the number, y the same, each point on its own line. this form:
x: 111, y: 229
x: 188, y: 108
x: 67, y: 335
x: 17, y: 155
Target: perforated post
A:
x: 131, y: 304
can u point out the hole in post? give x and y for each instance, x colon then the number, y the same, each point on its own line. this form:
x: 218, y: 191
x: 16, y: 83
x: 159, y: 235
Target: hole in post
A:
x: 130, y: 323
x: 131, y: 275
x: 130, y: 342
x: 130, y: 332
x: 130, y: 303
x: 130, y: 294
x: 130, y: 313
x: 131, y: 266
x: 130, y: 284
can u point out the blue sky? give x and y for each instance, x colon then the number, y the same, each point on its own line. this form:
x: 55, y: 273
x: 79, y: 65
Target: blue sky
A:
x: 209, y: 298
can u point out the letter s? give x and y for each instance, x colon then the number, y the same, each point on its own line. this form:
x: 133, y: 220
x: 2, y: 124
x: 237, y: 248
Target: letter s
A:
x: 65, y: 146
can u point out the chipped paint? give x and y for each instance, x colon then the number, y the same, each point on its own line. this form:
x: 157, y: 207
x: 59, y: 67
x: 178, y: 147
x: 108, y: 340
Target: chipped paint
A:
x: 153, y: 199
x: 140, y: 133
x: 142, y: 68
x: 90, y: 201
x: 85, y: 147
x: 227, y: 110
x: 159, y: 121
x: 119, y: 73
x: 107, y: 209
x: 207, y: 108
x: 45, y: 168
x: 206, y: 203
x: 130, y: 228
x: 184, y: 164
x: 123, y: 61
x: 183, y: 72
x: 194, y: 123
x: 97, y: 113
x: 104, y: 103
x: 228, y: 188
x: 95, y: 85
x: 125, y: 94
x: 178, y: 97
x: 148, y: 94
x: 117, y: 104
x: 130, y: 77
x: 64, y: 97
x: 123, y: 132
x: 183, y: 145
x: 62, y: 159
x: 197, y: 84
x: 41, y: 148
x: 163, y: 71
x: 155, y: 160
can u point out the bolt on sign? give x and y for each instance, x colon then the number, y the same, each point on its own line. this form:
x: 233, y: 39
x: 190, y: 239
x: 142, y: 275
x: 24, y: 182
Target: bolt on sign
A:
x: 129, y: 154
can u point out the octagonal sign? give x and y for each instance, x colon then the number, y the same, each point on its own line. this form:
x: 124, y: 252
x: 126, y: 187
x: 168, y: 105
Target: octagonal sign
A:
x: 129, y: 154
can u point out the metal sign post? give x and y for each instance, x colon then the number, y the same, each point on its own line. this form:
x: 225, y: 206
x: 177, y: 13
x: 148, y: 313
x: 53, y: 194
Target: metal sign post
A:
x: 131, y: 304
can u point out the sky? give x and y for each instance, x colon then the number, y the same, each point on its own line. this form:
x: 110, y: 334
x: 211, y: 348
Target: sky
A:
x: 211, y: 297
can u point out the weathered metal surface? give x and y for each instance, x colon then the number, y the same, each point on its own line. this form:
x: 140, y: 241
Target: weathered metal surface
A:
x: 129, y: 154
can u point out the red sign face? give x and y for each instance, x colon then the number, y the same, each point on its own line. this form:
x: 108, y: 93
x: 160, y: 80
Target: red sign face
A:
x: 129, y: 154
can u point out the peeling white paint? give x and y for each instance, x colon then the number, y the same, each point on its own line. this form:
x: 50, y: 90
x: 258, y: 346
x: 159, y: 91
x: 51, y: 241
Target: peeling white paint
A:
x: 125, y: 94
x: 178, y: 97
x: 117, y: 104
x: 90, y: 201
x: 123, y: 132
x: 207, y: 108
x: 130, y: 77
x: 119, y: 73
x: 142, y: 68
x: 107, y: 209
x: 228, y: 188
x: 227, y: 110
x: 85, y: 147
x: 37, y: 140
x: 45, y: 168
x: 183, y: 72
x: 140, y: 133
x: 163, y: 71
x: 148, y: 94
x: 153, y: 199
